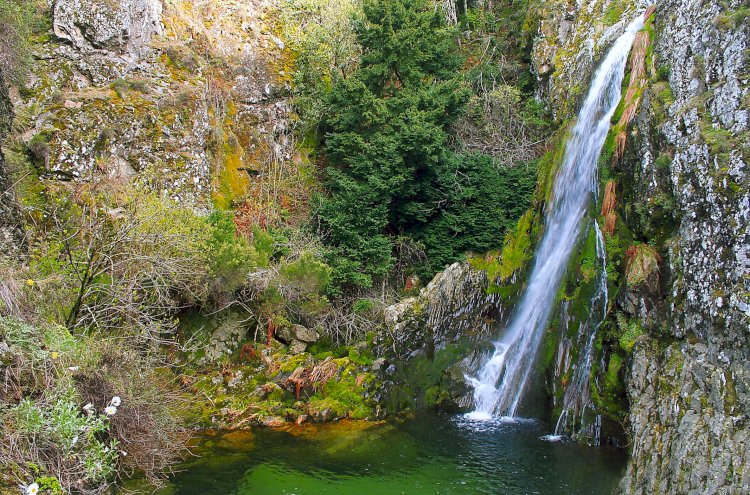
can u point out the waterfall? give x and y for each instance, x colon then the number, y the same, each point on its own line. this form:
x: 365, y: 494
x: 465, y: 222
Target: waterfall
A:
x: 500, y: 383
x: 578, y: 394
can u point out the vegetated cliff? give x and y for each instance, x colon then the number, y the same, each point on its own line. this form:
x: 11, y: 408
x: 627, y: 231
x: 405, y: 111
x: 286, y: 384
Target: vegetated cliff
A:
x: 675, y: 209
x: 12, y: 240
x: 187, y: 98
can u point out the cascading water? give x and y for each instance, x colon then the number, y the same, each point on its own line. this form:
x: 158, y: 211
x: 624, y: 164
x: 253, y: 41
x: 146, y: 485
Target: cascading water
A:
x: 578, y: 394
x: 500, y: 384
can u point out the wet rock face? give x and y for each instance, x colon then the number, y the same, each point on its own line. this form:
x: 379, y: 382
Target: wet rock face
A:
x: 434, y: 339
x: 689, y: 380
x: 116, y: 25
x: 572, y: 38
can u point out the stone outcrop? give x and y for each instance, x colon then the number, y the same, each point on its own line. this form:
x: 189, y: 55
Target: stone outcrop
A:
x: 121, y: 26
x: 297, y: 337
x: 12, y: 237
x: 445, y: 330
x: 454, y: 304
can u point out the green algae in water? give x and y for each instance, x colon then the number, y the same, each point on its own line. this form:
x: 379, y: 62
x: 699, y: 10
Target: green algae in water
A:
x: 429, y: 454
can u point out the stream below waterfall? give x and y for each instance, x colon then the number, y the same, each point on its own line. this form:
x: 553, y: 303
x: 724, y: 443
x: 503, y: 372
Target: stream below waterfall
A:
x: 426, y: 454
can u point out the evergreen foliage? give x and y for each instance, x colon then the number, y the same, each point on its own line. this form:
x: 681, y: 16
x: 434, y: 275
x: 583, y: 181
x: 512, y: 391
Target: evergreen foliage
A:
x: 390, y: 168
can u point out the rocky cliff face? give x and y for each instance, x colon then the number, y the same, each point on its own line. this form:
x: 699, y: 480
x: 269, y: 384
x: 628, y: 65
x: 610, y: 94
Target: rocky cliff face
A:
x: 186, y: 98
x: 572, y: 37
x: 683, y: 192
x: 690, y: 398
x: 125, y: 26
x: 12, y: 239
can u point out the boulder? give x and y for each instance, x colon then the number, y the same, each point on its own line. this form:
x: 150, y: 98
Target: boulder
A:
x: 305, y: 334
x: 298, y: 333
x: 297, y: 347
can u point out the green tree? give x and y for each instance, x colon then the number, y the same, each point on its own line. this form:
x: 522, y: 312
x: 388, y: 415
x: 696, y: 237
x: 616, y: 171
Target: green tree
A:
x: 390, y: 169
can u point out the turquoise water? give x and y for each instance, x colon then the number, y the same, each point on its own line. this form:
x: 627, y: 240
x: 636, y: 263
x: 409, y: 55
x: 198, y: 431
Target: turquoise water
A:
x: 428, y: 454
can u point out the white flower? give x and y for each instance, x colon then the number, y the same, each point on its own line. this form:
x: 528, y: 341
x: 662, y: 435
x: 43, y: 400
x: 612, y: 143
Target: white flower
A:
x: 75, y: 440
x: 110, y: 410
x: 32, y: 489
x: 89, y: 408
x: 73, y: 368
x: 123, y: 453
x: 116, y: 401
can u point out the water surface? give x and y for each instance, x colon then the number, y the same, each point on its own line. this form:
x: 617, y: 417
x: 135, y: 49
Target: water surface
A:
x: 428, y: 454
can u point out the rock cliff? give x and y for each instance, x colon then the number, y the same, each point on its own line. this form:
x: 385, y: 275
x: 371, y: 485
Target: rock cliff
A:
x: 690, y: 392
x: 680, y: 172
x: 12, y: 238
x: 186, y: 98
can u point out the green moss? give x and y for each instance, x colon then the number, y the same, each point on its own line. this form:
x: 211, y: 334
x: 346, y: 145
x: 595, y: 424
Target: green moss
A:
x: 730, y: 19
x: 720, y: 141
x: 345, y: 396
x: 613, y: 13
x: 426, y: 382
x: 629, y: 332
x: 294, y: 362
x: 612, y: 378
x: 516, y: 253
x: 362, y: 357
x: 663, y: 162
x: 549, y: 165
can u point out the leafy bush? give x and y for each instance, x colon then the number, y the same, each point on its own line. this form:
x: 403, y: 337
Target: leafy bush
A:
x: 327, y: 51
x: 135, y: 262
x: 230, y: 257
x: 80, y: 412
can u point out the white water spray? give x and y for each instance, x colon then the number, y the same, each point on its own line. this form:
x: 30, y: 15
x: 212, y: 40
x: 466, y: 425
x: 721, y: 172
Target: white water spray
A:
x: 500, y: 384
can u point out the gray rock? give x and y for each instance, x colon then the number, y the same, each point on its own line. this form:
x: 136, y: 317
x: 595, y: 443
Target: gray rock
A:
x: 12, y: 232
x: 285, y: 334
x: 378, y: 364
x: 296, y: 332
x: 121, y: 26
x: 297, y: 347
x: 304, y: 334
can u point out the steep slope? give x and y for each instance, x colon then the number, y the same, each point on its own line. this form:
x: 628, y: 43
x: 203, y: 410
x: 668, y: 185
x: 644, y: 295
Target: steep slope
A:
x: 187, y: 98
x: 11, y: 228
x: 678, y: 192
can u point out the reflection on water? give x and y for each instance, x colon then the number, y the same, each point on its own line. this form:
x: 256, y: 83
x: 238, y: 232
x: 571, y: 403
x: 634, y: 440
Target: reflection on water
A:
x: 429, y: 454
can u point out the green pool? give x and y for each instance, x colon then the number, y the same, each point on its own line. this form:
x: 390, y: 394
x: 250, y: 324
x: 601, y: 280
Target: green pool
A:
x: 427, y: 454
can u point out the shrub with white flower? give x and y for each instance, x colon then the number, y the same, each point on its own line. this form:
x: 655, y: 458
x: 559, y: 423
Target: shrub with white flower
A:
x: 81, y: 434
